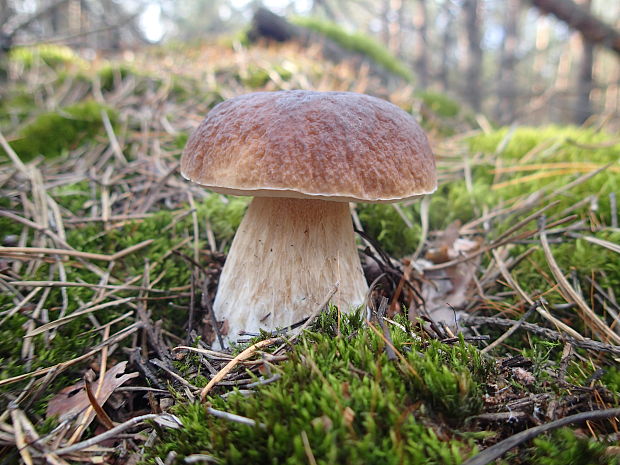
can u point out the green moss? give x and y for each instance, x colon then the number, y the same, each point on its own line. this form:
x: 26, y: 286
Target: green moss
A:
x: 54, y: 56
x: 611, y: 379
x: 440, y: 104
x: 557, y: 145
x: 578, y: 150
x: 16, y: 105
x: 382, y: 222
x: 54, y: 133
x: 73, y: 196
x: 581, y: 257
x: 180, y: 140
x: 224, y: 214
x: 354, y: 405
x: 565, y: 447
x: 8, y: 227
x: 71, y: 340
x: 113, y: 74
x: 110, y: 76
x: 257, y: 76
x: 357, y: 42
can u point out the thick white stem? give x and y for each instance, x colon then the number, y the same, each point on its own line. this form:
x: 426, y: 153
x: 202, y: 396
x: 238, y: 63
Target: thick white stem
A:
x: 286, y: 257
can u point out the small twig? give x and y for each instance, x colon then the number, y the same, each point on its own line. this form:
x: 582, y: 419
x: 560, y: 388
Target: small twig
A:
x: 307, y: 448
x: 116, y: 147
x: 494, y: 452
x: 111, y: 219
x: 13, y: 156
x: 550, y: 334
x: 424, y: 216
x: 511, y: 330
x: 205, y: 303
x: 587, y: 314
x: 247, y: 353
x: 74, y: 315
x: 156, y: 190
x: 482, y: 250
x: 389, y: 348
x: 263, y: 382
x: 116, y: 430
x: 233, y: 417
x: 316, y: 312
x: 122, y: 287
x: 76, y: 253
x: 159, y: 364
x: 20, y: 438
x: 200, y: 458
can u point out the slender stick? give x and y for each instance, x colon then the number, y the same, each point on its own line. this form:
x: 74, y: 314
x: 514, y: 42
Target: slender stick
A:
x: 247, y: 353
x: 499, y: 449
x: 113, y: 432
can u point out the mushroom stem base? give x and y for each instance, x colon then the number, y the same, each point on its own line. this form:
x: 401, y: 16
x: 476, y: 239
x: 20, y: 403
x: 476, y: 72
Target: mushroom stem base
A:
x: 287, y: 255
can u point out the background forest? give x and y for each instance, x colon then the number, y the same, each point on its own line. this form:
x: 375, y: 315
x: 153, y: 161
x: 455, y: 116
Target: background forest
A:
x: 494, y: 330
x: 514, y: 60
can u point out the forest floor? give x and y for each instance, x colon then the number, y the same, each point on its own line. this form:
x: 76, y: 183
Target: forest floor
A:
x: 109, y: 261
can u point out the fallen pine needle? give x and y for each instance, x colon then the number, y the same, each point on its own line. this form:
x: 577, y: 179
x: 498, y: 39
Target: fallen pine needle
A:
x: 164, y: 419
x: 499, y: 449
x: 76, y: 253
x: 233, y: 417
x: 247, y: 353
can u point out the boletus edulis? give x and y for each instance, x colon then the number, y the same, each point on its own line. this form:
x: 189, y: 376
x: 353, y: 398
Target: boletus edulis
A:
x: 303, y: 156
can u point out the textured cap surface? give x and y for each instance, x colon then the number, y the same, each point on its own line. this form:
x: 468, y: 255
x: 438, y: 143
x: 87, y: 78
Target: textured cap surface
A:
x: 337, y: 145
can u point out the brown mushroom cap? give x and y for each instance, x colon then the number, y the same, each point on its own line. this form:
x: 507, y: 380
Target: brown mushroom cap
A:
x: 331, y: 145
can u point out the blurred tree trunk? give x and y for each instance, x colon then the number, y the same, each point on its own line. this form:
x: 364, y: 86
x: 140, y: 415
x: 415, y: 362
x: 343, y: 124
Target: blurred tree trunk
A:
x: 583, y: 107
x: 396, y: 18
x: 316, y: 4
x: 593, y: 29
x: 385, y: 22
x: 420, y: 45
x: 447, y: 45
x: 561, y: 105
x: 59, y: 18
x: 6, y: 11
x: 473, y: 54
x: 542, y: 42
x: 507, y: 80
x: 5, y: 40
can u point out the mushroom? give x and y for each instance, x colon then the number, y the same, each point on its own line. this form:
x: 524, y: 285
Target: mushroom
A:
x: 302, y: 155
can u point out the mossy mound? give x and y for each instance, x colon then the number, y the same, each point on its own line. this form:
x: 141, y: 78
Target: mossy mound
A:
x: 341, y: 395
x: 54, y: 133
x: 357, y: 42
x: 566, y: 447
x: 257, y: 77
x: 16, y: 106
x: 54, y: 56
x: 440, y: 104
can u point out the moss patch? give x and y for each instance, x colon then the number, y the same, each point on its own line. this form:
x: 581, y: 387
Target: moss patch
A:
x: 352, y: 403
x: 440, y: 104
x: 563, y: 161
x: 357, y: 42
x: 53, y: 133
x: 565, y: 447
x: 54, y: 56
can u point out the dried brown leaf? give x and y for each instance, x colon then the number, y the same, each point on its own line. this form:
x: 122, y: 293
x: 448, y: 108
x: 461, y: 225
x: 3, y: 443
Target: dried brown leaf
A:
x: 73, y: 400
